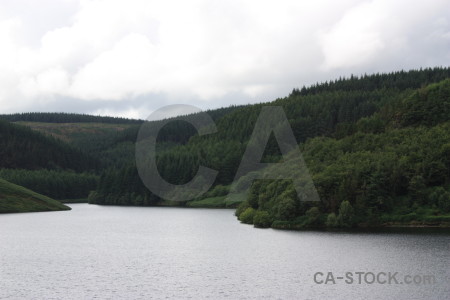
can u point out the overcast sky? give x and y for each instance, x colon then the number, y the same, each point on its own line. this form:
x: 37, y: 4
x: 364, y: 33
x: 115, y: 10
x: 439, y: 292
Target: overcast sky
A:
x: 128, y: 58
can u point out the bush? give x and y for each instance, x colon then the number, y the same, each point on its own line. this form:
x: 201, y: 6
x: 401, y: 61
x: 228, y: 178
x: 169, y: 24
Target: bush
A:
x: 409, y: 217
x: 346, y: 215
x: 416, y: 188
x: 373, y: 217
x: 247, y: 216
x: 262, y: 219
x: 218, y: 190
x: 93, y: 197
x: 286, y: 208
x: 332, y: 220
x: 313, y: 215
x: 440, y: 197
x: 241, y: 208
x: 436, y: 192
x: 444, y: 202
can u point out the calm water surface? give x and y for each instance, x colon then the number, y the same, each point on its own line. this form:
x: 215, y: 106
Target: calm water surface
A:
x: 141, y: 253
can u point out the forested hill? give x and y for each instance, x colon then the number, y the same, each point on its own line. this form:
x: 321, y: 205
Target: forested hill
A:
x: 392, y: 167
x: 66, y: 118
x: 400, y: 80
x: 63, y: 160
x: 376, y: 147
x: 45, y: 164
x: 21, y: 147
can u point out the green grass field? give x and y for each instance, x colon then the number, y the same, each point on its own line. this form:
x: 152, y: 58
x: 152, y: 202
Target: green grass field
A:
x: 15, y: 198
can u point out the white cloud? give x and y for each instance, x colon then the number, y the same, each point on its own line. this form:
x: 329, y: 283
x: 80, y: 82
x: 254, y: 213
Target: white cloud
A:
x: 205, y: 52
x: 356, y: 38
x: 129, y: 69
x: 130, y: 112
x: 386, y: 32
x: 51, y: 81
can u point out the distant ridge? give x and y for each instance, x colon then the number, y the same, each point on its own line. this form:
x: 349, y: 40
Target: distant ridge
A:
x: 400, y: 80
x: 24, y: 148
x: 48, y: 117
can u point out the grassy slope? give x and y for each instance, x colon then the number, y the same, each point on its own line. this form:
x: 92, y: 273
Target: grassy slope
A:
x: 14, y: 198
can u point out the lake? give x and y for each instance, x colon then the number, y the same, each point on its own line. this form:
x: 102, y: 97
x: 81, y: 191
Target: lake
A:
x: 164, y: 253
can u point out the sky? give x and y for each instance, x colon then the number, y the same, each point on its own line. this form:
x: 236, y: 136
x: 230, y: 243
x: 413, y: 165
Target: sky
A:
x: 130, y: 58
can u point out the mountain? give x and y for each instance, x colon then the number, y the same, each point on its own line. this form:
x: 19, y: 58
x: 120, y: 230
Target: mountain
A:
x: 392, y: 167
x: 45, y: 164
x: 21, y: 147
x: 14, y: 198
x: 375, y: 146
x: 91, y: 134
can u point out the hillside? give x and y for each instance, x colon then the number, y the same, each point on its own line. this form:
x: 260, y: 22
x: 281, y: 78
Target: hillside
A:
x: 14, y: 198
x: 394, y: 168
x: 45, y: 164
x: 110, y: 140
x: 77, y: 134
x: 93, y: 135
x: 98, y: 140
x: 375, y: 146
x: 21, y: 147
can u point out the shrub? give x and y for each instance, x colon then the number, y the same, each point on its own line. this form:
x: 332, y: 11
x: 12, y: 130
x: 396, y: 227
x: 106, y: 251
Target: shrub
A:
x: 416, y: 188
x: 437, y: 219
x: 313, y: 215
x: 444, y: 202
x: 440, y: 197
x: 286, y: 208
x: 247, y: 216
x: 409, y: 217
x: 262, y: 219
x: 241, y: 208
x: 346, y: 214
x: 218, y: 190
x: 332, y: 220
x: 93, y: 197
